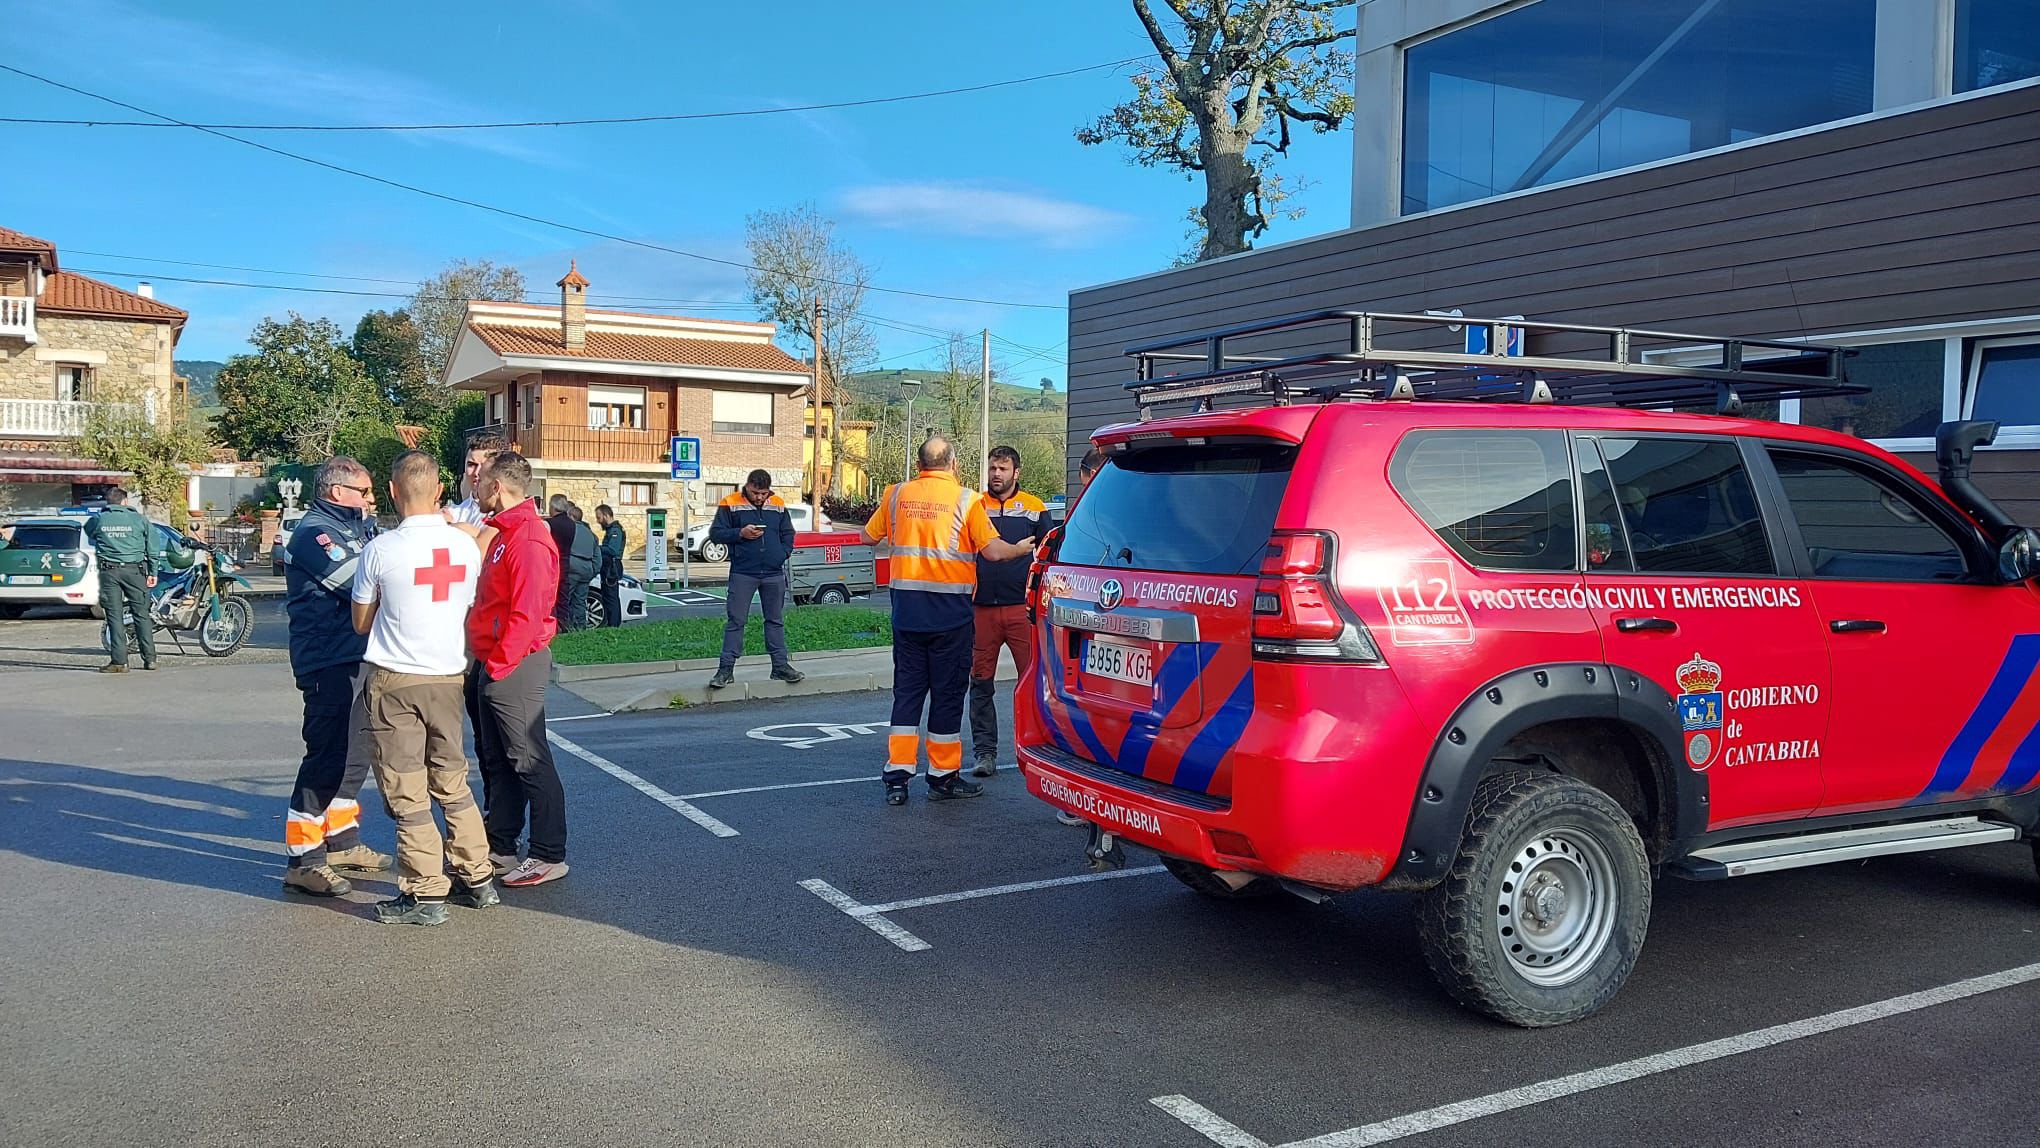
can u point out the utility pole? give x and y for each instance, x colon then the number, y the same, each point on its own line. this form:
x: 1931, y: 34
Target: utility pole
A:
x: 811, y: 461
x: 985, y: 409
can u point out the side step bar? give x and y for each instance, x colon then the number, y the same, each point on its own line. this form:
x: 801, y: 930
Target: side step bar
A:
x: 1767, y: 855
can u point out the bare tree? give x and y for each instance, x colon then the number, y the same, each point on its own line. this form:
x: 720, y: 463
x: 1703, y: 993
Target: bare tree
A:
x: 1234, y: 77
x: 799, y: 263
x: 440, y: 306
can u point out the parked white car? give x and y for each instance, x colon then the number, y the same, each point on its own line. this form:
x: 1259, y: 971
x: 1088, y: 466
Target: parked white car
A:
x: 805, y: 518
x: 630, y: 594
x: 284, y: 526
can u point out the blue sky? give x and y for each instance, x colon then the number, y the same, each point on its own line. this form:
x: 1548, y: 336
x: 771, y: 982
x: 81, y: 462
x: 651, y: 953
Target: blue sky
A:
x: 985, y: 195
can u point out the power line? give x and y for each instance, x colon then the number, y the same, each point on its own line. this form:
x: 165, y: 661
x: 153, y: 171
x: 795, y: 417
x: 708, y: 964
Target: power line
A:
x: 649, y: 119
x: 503, y: 211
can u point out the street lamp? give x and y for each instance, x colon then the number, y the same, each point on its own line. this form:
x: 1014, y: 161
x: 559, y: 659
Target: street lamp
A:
x: 909, y: 386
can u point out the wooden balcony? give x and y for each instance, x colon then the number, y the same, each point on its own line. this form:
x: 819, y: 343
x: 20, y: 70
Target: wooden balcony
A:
x: 554, y: 443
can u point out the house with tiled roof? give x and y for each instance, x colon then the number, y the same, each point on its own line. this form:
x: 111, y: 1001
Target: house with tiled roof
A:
x: 594, y: 397
x: 68, y: 341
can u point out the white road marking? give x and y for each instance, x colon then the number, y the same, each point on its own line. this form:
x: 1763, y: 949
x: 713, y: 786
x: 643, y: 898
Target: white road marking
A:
x: 1445, y: 1116
x: 873, y: 916
x: 864, y: 914
x: 678, y: 805
x: 1215, y: 1128
x: 785, y: 785
x: 1022, y: 887
x: 577, y: 717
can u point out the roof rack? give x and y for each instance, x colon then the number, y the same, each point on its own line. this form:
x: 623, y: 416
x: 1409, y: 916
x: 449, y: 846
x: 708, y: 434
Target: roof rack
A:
x: 1382, y: 355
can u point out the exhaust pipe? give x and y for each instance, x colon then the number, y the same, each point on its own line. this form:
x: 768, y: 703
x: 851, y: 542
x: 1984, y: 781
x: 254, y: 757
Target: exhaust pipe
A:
x: 1955, y: 446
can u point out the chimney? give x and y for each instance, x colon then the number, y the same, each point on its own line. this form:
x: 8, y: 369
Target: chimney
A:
x: 574, y: 308
x: 145, y: 290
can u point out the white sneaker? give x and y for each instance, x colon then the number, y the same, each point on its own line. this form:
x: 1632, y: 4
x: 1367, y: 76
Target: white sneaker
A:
x: 503, y: 862
x: 535, y: 872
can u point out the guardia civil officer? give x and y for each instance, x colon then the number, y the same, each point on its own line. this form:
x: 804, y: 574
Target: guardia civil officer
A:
x: 938, y: 530
x: 127, y: 569
x: 322, y: 831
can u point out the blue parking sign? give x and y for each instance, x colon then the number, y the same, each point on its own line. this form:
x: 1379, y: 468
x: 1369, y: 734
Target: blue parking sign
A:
x: 686, y: 458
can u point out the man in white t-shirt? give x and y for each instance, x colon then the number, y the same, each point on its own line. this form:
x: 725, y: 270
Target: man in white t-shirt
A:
x: 480, y: 450
x: 411, y: 598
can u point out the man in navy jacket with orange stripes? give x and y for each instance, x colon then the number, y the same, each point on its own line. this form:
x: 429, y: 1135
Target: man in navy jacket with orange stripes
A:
x: 754, y: 524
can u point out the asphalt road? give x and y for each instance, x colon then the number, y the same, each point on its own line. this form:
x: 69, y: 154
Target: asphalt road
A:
x: 685, y: 987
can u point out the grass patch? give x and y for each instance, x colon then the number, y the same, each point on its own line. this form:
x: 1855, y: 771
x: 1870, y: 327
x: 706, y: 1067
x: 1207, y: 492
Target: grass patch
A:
x: 808, y: 628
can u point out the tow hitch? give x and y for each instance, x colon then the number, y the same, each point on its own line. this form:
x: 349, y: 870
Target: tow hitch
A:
x: 1104, y: 850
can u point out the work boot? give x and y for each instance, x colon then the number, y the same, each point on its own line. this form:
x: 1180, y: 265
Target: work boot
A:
x: 480, y: 896
x: 316, y: 880
x: 721, y: 679
x: 897, y: 795
x: 953, y: 787
x: 113, y: 668
x: 407, y: 909
x: 150, y: 666
x: 787, y: 674
x: 359, y: 858
x: 987, y: 765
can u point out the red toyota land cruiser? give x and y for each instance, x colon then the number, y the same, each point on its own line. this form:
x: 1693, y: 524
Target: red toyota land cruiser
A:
x: 1479, y: 626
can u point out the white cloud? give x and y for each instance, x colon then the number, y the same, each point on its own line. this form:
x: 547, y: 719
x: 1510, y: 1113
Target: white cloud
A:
x: 977, y: 210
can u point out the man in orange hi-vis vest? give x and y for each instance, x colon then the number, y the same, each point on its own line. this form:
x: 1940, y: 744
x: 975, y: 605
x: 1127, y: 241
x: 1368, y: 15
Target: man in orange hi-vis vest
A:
x: 937, y: 530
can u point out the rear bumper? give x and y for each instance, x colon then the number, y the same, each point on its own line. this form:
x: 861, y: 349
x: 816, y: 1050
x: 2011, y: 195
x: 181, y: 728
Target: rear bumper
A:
x: 1318, y: 797
x: 84, y: 593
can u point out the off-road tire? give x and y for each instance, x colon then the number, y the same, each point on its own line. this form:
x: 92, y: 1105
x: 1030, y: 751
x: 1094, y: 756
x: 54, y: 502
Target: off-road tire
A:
x: 1203, y: 880
x: 1460, y: 921
x: 238, y: 616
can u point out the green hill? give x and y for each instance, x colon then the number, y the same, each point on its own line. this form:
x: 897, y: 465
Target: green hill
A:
x: 201, y: 372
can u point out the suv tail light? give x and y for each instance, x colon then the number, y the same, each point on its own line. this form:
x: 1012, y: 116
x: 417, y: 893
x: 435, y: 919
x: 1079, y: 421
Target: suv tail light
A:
x: 1043, y: 555
x: 1297, y: 614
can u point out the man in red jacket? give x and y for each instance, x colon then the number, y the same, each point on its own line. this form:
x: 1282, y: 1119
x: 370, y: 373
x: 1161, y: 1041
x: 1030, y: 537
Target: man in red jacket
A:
x: 509, y: 632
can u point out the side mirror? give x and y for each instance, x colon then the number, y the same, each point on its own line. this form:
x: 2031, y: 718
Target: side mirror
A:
x: 2019, y: 557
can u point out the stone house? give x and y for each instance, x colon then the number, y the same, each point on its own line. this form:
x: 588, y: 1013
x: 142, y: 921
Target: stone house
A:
x: 594, y: 397
x: 68, y: 342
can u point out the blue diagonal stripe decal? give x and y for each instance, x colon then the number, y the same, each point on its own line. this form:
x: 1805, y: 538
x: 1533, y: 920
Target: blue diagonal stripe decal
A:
x: 2017, y: 666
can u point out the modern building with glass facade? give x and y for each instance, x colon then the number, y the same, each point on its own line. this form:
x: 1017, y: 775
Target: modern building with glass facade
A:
x: 1864, y: 172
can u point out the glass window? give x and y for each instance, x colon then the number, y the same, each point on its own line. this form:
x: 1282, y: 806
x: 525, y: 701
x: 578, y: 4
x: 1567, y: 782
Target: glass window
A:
x: 1192, y: 509
x: 634, y: 493
x: 1904, y: 399
x: 2004, y: 379
x: 44, y: 536
x: 1565, y: 88
x: 741, y: 412
x: 74, y: 383
x: 1500, y: 499
x: 1856, y: 526
x: 1996, y: 42
x: 1689, y: 506
x: 1607, y: 542
x: 616, y: 408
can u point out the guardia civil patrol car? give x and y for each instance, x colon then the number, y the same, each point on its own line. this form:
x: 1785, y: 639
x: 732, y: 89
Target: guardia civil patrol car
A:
x: 1521, y: 632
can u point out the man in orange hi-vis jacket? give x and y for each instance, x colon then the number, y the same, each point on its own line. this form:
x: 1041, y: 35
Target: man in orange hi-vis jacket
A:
x: 937, y: 530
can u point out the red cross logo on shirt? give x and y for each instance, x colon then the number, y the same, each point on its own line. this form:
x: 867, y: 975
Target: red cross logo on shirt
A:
x: 441, y: 575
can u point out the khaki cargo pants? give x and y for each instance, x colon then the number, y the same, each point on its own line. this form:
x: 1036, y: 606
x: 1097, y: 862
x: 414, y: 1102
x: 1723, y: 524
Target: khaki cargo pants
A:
x: 414, y: 724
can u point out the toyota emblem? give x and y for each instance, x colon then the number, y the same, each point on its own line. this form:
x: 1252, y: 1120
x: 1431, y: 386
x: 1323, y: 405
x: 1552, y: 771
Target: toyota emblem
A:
x: 1110, y: 594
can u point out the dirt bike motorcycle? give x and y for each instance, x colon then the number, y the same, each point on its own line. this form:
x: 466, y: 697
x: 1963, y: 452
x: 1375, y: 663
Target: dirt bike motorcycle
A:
x: 198, y: 591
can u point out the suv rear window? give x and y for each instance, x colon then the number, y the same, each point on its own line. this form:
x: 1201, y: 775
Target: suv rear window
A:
x: 1501, y: 499
x: 1193, y: 509
x: 45, y: 536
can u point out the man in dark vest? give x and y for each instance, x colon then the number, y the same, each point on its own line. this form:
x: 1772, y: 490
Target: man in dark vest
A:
x: 613, y: 542
x: 322, y: 831
x: 127, y: 569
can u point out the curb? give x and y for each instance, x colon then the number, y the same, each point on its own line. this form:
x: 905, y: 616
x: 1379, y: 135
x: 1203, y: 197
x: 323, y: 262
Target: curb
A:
x: 565, y: 675
x: 815, y: 685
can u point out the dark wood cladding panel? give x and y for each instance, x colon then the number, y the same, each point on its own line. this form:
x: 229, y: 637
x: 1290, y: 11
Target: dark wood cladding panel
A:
x: 2010, y: 477
x: 1925, y: 217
